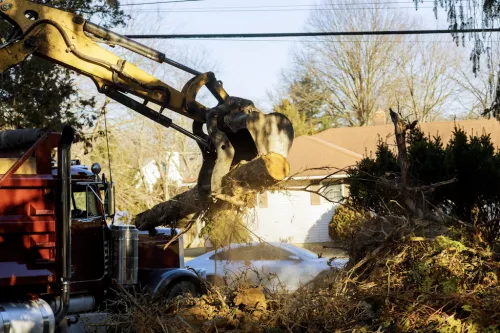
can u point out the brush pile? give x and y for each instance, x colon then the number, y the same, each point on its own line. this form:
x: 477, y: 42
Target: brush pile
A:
x: 406, y: 281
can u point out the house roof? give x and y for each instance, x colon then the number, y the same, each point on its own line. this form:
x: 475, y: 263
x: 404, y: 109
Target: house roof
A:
x: 338, y: 148
x: 313, y: 156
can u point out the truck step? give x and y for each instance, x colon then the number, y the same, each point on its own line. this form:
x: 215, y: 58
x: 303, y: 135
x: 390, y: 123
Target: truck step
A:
x: 49, y: 261
x: 43, y: 245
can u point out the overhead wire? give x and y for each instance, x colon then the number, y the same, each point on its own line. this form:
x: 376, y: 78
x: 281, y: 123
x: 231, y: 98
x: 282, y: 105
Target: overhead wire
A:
x: 308, y: 5
x: 287, y: 7
x: 253, y: 36
x: 157, y: 2
x: 274, y: 6
x: 248, y: 10
x: 322, y: 41
x: 310, y: 34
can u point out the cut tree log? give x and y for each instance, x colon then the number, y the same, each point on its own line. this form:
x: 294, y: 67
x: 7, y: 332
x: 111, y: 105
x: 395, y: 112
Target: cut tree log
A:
x: 245, y: 179
x: 239, y: 188
x: 262, y: 172
x: 173, y: 210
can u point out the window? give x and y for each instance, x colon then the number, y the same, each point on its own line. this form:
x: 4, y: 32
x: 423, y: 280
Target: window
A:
x: 333, y: 192
x: 219, y: 256
x: 80, y: 201
x: 84, y: 202
x: 240, y: 253
x: 307, y: 253
x: 268, y: 252
x: 251, y: 253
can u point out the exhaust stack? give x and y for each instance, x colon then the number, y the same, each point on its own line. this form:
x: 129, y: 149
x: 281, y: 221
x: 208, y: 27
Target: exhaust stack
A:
x: 67, y: 137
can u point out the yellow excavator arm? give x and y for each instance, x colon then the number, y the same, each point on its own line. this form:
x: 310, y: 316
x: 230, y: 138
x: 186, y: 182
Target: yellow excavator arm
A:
x: 69, y: 40
x: 235, y: 129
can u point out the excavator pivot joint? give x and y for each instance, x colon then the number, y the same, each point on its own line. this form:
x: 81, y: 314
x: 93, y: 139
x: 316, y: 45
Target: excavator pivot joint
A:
x: 5, y: 7
x: 78, y: 20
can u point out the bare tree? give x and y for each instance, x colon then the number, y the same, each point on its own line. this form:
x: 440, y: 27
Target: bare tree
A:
x: 354, y: 70
x: 358, y: 75
x: 476, y: 91
x: 426, y: 81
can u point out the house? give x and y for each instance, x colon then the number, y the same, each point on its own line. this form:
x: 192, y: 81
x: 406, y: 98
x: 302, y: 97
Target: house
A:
x: 178, y: 167
x: 298, y: 216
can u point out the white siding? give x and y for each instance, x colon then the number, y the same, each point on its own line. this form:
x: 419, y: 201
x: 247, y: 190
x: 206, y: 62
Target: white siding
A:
x: 291, y: 217
x: 152, y: 174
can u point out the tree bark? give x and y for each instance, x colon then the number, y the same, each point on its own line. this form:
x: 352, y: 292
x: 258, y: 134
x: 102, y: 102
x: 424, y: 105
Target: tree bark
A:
x: 239, y: 187
x: 400, y: 129
x: 256, y: 175
x: 171, y: 211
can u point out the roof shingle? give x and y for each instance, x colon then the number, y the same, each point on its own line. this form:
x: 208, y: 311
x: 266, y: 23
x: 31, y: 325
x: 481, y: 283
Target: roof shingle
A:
x: 339, y: 148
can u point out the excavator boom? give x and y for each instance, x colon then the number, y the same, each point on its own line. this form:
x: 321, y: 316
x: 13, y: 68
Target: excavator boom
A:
x: 235, y: 129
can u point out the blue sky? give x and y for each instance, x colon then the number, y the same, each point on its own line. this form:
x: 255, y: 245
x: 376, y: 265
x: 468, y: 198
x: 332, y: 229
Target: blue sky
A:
x: 248, y: 68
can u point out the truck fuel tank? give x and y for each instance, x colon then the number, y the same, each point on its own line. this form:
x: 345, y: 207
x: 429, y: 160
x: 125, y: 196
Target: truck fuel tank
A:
x: 125, y: 253
x: 31, y: 316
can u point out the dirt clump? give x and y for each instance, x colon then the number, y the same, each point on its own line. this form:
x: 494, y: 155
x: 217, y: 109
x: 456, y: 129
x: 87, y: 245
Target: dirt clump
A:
x: 251, y: 298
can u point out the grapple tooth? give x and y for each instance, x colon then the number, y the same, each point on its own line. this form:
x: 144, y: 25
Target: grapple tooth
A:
x: 270, y: 132
x: 260, y: 134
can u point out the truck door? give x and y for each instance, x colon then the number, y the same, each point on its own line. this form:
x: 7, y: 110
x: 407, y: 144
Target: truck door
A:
x: 89, y: 237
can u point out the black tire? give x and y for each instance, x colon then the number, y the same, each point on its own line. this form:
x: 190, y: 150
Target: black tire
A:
x: 181, y: 287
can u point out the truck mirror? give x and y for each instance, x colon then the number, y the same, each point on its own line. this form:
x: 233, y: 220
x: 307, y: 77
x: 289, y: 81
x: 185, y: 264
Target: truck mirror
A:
x: 96, y: 169
x: 109, y: 199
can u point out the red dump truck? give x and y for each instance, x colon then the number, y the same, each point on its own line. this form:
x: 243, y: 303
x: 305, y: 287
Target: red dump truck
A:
x: 60, y: 256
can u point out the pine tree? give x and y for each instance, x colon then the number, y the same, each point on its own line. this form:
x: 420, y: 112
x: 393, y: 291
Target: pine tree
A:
x: 306, y: 106
x: 38, y: 93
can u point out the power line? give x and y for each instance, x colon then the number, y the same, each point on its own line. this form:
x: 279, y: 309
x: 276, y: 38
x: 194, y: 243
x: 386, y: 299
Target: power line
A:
x: 308, y: 5
x: 213, y: 10
x: 324, y: 41
x: 289, y: 7
x: 312, y: 34
x: 156, y: 2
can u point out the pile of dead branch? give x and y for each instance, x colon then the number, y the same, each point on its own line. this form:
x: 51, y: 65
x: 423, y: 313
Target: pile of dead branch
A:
x: 408, y: 279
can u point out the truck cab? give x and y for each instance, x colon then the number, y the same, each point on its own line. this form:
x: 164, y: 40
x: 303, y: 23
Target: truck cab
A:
x: 61, y: 254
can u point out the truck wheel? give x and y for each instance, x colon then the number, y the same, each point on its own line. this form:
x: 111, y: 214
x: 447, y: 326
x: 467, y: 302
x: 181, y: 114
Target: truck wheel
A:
x: 181, y: 287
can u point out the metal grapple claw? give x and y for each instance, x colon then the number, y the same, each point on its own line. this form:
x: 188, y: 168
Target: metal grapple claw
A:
x: 238, y: 131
